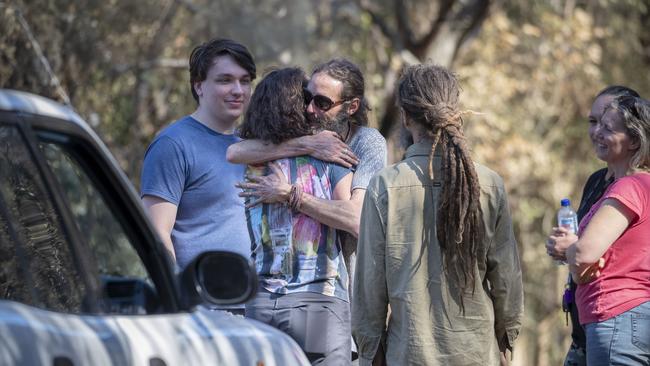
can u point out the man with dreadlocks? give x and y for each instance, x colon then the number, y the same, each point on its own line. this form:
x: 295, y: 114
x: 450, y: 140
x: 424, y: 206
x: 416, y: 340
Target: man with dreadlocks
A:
x: 436, y: 243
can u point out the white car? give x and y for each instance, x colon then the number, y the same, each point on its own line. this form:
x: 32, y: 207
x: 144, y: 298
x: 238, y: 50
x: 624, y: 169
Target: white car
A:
x: 84, y: 280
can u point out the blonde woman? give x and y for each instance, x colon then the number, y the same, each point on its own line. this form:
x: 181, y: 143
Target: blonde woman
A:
x: 614, y: 301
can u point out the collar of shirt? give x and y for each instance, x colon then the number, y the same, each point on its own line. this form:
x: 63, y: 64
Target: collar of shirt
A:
x: 421, y: 149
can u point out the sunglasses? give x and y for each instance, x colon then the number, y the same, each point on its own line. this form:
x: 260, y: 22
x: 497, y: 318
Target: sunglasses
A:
x: 320, y: 101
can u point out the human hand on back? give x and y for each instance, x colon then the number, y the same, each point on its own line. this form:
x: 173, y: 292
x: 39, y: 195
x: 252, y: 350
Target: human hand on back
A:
x: 328, y: 146
x: 270, y: 188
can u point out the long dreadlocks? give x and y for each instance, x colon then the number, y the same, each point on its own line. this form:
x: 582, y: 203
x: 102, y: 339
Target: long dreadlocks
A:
x: 428, y: 95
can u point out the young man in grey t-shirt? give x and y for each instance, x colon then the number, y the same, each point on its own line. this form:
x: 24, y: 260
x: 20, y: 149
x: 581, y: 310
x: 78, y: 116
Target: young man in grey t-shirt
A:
x: 187, y: 184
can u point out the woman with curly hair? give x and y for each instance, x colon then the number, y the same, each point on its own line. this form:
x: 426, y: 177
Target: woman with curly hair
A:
x: 436, y: 243
x: 303, y: 278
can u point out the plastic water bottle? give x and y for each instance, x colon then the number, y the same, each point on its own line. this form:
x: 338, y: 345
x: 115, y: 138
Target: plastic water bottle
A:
x: 566, y: 217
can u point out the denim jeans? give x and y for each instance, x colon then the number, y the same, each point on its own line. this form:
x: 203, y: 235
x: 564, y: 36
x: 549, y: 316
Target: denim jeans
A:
x: 621, y: 340
x: 576, y: 356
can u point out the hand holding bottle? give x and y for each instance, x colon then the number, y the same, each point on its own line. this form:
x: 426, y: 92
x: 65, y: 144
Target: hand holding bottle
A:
x: 559, y: 239
x: 564, y: 235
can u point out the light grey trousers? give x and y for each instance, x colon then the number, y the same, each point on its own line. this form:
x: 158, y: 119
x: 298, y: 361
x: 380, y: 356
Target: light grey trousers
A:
x: 320, y: 324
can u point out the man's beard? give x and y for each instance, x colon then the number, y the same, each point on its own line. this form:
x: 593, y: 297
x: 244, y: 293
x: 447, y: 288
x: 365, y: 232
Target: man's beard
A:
x: 340, y: 123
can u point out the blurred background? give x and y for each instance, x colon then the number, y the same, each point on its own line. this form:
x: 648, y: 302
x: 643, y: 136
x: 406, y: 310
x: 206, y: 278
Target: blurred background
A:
x: 531, y: 68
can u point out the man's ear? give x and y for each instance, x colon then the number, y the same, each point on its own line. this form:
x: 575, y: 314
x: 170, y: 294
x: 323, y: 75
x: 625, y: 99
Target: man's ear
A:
x: 355, y: 103
x: 403, y: 119
x: 634, y: 144
x: 198, y: 88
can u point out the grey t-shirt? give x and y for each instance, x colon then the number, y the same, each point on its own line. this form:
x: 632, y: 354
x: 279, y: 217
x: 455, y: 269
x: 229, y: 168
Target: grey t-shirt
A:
x: 370, y: 147
x: 186, y: 165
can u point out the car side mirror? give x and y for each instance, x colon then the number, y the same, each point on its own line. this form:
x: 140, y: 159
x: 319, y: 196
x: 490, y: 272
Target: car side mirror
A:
x: 218, y: 278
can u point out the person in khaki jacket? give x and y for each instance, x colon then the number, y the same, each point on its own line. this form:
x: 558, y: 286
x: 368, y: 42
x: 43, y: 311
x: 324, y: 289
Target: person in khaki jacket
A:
x: 436, y: 244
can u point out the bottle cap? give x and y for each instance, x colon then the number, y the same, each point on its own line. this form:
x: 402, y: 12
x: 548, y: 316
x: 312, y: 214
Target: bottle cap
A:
x: 565, y: 202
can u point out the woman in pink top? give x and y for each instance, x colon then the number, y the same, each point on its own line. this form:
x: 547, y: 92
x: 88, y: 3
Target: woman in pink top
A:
x: 614, y: 301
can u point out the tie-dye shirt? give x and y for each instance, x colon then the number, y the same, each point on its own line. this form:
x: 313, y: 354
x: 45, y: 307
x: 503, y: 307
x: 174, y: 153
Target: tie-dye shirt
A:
x: 315, y: 262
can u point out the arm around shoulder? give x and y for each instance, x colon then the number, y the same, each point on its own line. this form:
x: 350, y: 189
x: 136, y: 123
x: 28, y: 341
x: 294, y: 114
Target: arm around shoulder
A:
x: 258, y: 151
x: 325, y: 145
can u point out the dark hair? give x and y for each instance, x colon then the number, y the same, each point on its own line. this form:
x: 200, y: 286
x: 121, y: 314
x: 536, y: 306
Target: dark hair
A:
x: 276, y: 111
x: 617, y: 91
x: 203, y: 56
x: 428, y: 95
x: 351, y: 77
x: 636, y: 119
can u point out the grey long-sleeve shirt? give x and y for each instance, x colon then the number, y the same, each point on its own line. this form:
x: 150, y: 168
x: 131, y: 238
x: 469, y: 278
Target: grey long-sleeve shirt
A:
x: 399, y: 263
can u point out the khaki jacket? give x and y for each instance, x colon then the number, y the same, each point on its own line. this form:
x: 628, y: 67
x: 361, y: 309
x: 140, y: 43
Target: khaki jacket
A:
x: 399, y: 263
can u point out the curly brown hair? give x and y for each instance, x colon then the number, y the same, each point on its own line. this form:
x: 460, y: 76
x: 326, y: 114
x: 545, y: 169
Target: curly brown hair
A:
x: 277, y: 108
x: 428, y: 95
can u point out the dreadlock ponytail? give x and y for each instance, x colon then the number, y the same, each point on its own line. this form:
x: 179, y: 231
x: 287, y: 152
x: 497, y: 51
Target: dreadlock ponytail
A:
x: 428, y: 95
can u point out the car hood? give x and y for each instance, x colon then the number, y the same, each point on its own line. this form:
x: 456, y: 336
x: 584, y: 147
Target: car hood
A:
x: 203, y: 337
x: 254, y: 337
